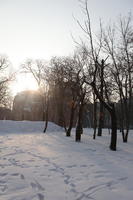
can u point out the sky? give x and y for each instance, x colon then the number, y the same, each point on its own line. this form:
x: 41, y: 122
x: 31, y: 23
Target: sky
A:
x: 40, y: 29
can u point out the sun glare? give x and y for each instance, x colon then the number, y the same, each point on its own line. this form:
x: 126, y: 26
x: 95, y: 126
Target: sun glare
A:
x: 23, y: 82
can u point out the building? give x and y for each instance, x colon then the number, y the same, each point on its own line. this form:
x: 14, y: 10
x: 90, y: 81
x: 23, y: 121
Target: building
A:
x: 28, y: 105
x: 5, y: 113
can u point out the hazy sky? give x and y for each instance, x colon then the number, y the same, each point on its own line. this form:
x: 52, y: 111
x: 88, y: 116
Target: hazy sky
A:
x: 42, y: 28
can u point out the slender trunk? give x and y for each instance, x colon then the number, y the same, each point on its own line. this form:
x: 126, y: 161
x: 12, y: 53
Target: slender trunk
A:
x: 101, y: 121
x: 122, y: 119
x: 79, y: 128
x: 126, y: 136
x: 68, y: 133
x: 65, y: 125
x: 100, y: 126
x: 109, y: 130
x: 95, y: 119
x: 114, y: 129
x: 46, y: 125
x: 43, y: 105
x: 60, y: 106
x: 46, y: 118
x: 125, y: 132
x: 60, y: 119
x: 109, y: 124
x: 127, y: 125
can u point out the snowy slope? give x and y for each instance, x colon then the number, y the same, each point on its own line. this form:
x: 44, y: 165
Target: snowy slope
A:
x: 7, y: 126
x: 52, y: 167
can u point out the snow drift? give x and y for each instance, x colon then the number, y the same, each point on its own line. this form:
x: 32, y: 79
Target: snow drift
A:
x: 8, y: 126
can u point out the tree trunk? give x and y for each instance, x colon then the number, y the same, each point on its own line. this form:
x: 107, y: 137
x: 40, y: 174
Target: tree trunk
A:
x: 101, y: 120
x: 100, y: 125
x: 46, y: 118
x: 114, y: 129
x: 95, y: 119
x: 68, y: 133
x: 43, y: 105
x: 79, y: 128
x: 124, y: 115
x: 126, y: 136
x: 111, y: 109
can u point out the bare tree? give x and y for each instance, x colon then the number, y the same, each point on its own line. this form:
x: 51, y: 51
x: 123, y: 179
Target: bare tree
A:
x: 5, y: 78
x: 72, y: 87
x: 58, y: 85
x: 94, y: 53
x: 81, y: 89
x: 68, y: 86
x: 118, y: 44
x: 39, y: 70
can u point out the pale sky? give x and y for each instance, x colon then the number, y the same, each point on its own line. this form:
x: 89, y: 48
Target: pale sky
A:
x: 42, y: 28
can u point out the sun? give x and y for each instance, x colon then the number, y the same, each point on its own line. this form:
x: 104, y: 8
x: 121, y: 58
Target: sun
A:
x: 23, y: 82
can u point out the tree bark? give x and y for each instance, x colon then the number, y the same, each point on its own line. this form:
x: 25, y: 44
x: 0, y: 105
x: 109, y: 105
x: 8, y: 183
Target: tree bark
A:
x: 101, y: 120
x: 46, y: 118
x: 79, y: 128
x: 111, y: 109
x: 95, y: 119
x: 114, y: 128
x: 68, y: 133
x: 100, y: 125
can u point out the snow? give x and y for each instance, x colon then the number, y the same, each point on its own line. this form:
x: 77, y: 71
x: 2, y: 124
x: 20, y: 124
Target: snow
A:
x: 8, y: 126
x: 37, y: 166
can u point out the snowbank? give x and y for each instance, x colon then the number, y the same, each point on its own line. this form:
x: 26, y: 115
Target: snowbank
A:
x: 8, y: 126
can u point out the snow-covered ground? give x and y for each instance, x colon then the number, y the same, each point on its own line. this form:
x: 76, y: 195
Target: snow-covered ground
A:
x: 37, y: 166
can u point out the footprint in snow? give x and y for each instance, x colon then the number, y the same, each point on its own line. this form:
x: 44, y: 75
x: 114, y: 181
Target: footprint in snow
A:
x: 36, y: 185
x: 123, y: 178
x: 72, y: 184
x: 15, y: 174
x: 67, y: 178
x: 53, y: 169
x: 2, y: 181
x: 83, y: 166
x: 22, y: 176
x: 31, y: 160
x: 3, y: 174
x: 71, y: 166
x: 101, y: 172
x: 40, y: 196
x: 91, y: 165
x: 3, y: 188
x: 99, y: 176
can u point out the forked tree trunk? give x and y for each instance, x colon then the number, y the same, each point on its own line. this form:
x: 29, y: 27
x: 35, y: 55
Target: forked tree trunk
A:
x: 111, y: 109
